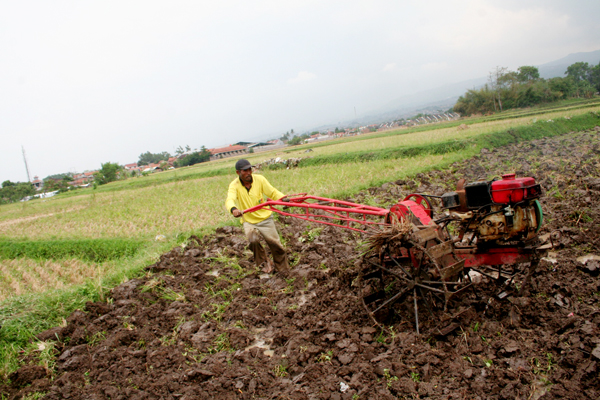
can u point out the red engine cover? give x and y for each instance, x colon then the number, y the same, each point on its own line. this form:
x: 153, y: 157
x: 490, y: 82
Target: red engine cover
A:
x: 514, y: 190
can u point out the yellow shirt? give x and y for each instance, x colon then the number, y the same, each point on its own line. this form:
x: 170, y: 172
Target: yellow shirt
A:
x: 241, y: 198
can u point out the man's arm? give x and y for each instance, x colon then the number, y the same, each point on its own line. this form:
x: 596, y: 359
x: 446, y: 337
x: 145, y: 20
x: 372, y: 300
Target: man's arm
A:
x: 231, y: 200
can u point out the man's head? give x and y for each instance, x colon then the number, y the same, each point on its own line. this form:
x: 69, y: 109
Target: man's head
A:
x: 244, y: 170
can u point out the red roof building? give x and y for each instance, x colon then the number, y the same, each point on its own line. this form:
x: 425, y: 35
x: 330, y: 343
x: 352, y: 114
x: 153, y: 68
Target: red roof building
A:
x: 37, y: 183
x: 228, y: 151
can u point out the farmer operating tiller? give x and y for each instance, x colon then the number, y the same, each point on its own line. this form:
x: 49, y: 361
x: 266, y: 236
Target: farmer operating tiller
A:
x: 247, y: 191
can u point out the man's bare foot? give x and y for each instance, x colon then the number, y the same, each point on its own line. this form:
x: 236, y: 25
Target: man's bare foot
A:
x: 268, y: 268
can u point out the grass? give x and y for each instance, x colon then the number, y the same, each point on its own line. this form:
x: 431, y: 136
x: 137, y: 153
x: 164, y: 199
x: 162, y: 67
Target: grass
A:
x: 168, y: 209
x: 22, y: 276
x: 24, y: 316
x: 93, y: 250
x: 58, y: 253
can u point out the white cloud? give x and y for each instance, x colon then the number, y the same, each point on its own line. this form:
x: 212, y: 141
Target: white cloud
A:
x: 389, y: 67
x: 303, y: 76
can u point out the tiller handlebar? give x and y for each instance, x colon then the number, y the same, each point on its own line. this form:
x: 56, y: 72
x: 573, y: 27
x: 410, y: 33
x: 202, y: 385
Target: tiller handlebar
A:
x: 344, y: 214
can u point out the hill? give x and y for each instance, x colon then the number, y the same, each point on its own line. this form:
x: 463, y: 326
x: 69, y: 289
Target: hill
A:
x: 444, y: 97
x: 558, y: 67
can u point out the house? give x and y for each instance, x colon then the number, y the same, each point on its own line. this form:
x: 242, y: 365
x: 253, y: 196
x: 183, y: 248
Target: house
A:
x: 37, y: 183
x: 264, y: 146
x: 130, y: 166
x: 82, y: 179
x: 151, y: 167
x: 229, y: 151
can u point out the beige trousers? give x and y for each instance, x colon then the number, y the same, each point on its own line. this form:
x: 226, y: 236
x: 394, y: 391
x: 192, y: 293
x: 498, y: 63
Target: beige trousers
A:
x: 269, y: 232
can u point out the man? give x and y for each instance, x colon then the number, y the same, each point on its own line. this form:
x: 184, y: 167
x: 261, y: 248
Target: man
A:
x: 247, y: 191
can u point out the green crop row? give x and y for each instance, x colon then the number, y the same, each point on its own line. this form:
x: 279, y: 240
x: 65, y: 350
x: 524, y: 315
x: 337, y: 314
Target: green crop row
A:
x: 540, y: 129
x: 386, y: 154
x: 531, y: 131
x: 92, y: 250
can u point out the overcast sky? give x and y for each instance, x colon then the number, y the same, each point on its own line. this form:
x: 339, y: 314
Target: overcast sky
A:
x: 87, y: 82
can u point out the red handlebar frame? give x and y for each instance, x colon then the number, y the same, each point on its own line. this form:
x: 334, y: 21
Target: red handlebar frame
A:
x: 334, y: 210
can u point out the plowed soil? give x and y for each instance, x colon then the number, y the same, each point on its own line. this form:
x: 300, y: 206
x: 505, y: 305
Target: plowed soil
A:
x: 204, y: 323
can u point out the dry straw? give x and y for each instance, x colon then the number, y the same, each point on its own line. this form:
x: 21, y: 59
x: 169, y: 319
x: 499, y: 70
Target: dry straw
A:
x: 397, y: 232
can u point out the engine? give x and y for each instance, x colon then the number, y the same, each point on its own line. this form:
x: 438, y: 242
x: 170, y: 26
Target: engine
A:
x: 499, y: 210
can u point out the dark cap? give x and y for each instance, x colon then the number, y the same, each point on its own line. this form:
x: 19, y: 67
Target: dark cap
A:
x: 242, y: 164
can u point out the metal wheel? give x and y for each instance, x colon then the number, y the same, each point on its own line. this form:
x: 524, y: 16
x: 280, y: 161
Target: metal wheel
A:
x: 409, y: 278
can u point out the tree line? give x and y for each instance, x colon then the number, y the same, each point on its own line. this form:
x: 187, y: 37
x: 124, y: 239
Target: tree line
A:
x: 110, y: 172
x: 190, y: 159
x: 15, y: 191
x: 11, y: 192
x: 524, y: 88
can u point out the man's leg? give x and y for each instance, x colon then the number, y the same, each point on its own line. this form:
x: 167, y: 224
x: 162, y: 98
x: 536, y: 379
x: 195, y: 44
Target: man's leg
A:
x: 253, y: 236
x: 268, y: 230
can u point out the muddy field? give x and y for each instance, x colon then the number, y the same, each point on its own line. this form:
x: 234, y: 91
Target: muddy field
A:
x: 204, y: 323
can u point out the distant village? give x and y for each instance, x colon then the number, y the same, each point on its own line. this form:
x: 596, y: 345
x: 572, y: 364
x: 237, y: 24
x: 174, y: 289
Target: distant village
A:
x: 87, y: 178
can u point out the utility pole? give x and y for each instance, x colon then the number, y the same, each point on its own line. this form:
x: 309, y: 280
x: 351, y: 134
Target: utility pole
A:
x: 26, y: 167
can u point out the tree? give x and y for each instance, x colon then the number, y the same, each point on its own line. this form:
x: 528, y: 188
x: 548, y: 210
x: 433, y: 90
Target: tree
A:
x: 50, y: 185
x: 59, y: 176
x: 201, y: 156
x: 151, y: 158
x: 298, y: 139
x: 528, y: 73
x: 15, y: 191
x: 595, y: 76
x: 180, y: 150
x: 60, y: 182
x: 580, y: 71
x: 497, y: 83
x: 475, y: 101
x: 564, y: 86
x: 108, y: 173
x: 586, y: 89
x: 508, y: 89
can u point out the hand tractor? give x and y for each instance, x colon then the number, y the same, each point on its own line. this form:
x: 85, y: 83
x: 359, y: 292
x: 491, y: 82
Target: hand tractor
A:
x: 485, y: 228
